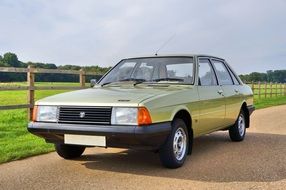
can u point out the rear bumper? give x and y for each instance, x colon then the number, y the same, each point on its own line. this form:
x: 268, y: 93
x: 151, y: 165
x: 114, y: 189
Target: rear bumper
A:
x: 251, y: 109
x: 143, y: 137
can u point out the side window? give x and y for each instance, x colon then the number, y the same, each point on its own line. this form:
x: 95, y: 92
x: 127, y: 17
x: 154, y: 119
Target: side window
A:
x: 234, y: 78
x: 222, y: 73
x: 206, y: 73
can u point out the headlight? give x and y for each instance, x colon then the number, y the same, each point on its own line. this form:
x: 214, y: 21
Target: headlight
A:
x: 46, y: 113
x: 130, y: 116
x: 124, y: 116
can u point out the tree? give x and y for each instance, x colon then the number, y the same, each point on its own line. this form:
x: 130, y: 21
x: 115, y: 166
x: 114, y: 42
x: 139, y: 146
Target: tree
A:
x: 269, y: 76
x: 11, y: 59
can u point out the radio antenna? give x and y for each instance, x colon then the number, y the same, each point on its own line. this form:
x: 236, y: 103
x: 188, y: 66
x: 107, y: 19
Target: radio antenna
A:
x: 165, y: 43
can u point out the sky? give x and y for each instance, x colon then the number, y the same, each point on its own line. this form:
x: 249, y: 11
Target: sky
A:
x: 249, y: 34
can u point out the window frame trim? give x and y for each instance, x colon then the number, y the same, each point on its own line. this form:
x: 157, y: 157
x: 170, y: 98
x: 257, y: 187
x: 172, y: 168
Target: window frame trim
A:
x: 234, y: 74
x: 212, y: 67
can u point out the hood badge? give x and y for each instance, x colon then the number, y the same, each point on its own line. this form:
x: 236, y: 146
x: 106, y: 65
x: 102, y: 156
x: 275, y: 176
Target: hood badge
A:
x: 82, y: 114
x: 123, y: 100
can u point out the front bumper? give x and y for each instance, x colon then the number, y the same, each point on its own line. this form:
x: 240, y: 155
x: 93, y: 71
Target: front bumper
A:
x: 149, y: 137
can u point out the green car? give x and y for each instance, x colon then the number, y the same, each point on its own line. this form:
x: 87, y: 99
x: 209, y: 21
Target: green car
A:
x: 158, y: 103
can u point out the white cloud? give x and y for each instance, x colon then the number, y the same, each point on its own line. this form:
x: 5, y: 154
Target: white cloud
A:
x: 250, y: 34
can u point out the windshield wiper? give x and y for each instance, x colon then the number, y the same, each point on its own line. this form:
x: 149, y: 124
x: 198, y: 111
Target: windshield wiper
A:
x: 107, y: 83
x: 168, y: 79
x: 133, y: 79
x: 137, y: 81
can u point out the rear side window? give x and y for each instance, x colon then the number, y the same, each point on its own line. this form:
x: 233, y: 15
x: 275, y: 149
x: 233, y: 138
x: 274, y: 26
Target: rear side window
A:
x: 206, y: 73
x: 223, y: 75
x: 235, y: 81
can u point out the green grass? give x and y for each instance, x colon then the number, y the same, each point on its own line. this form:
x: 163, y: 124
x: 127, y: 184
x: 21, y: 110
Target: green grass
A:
x: 16, y: 142
x: 268, y: 102
x: 264, y: 101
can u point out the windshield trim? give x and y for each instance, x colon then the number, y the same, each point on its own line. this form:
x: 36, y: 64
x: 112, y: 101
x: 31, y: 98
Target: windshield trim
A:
x: 194, y: 68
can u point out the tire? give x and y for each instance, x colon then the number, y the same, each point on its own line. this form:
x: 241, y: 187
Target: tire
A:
x: 69, y: 151
x: 168, y: 156
x: 237, y: 131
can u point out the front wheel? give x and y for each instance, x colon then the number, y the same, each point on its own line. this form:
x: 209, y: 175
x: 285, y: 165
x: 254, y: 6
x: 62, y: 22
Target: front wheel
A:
x: 174, y: 152
x: 69, y: 151
x: 237, y: 131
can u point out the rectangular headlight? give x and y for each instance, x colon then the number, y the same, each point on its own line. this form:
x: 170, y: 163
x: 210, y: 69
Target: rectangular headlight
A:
x: 124, y: 116
x: 47, y: 113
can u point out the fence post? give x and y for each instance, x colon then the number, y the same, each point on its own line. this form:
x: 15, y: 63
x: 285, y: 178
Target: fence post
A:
x: 31, y: 91
x: 82, y: 78
x: 265, y: 90
x: 271, y: 89
x: 276, y: 90
x: 259, y: 90
x: 252, y: 87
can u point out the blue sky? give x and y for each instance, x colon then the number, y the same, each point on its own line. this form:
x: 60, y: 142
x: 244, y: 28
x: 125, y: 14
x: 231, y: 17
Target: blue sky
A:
x: 249, y: 34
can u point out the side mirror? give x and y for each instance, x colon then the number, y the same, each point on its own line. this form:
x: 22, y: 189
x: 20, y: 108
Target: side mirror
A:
x: 92, y: 82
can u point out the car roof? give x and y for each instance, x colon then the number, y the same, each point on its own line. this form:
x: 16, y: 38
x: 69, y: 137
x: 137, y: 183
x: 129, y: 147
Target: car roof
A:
x: 173, y: 55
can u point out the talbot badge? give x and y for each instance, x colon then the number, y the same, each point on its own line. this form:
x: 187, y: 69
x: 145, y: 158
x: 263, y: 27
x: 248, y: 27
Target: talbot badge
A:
x: 82, y: 114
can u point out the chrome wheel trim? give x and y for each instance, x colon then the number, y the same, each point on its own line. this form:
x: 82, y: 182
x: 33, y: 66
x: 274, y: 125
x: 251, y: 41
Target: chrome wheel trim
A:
x: 241, y: 125
x: 180, y: 144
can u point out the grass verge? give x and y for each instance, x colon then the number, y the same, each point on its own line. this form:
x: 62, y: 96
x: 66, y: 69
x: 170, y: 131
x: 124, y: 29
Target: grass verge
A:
x: 268, y: 102
x: 15, y: 141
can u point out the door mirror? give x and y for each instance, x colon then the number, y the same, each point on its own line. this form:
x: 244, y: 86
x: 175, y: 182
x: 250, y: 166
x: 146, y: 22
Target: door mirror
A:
x: 92, y: 82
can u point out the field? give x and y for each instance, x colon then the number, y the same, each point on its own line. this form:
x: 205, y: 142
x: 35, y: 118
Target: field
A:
x: 16, y: 142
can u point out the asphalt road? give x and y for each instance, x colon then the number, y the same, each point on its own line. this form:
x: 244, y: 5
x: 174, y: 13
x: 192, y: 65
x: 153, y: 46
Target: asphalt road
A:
x: 259, y: 162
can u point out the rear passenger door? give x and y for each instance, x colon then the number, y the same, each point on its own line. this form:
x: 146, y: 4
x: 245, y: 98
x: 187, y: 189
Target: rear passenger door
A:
x: 231, y: 92
x: 212, y: 103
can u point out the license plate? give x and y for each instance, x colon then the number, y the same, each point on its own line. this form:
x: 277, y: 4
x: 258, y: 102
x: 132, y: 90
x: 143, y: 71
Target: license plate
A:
x: 87, y: 140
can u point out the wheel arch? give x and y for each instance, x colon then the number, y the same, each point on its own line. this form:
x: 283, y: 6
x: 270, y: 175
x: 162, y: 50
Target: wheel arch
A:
x: 245, y: 110
x: 187, y: 118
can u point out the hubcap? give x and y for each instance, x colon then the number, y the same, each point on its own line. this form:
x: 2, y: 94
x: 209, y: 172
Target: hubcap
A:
x: 180, y: 144
x: 241, y: 125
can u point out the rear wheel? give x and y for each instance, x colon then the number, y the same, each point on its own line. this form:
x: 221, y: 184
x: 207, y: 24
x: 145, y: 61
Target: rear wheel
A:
x: 237, y: 131
x: 174, y: 152
x: 69, y: 151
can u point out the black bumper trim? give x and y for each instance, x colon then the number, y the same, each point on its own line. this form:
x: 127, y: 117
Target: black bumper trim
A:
x: 251, y: 109
x: 142, y: 137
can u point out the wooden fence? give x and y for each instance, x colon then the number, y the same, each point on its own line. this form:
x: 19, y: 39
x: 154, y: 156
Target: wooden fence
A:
x: 31, y: 84
x: 265, y: 90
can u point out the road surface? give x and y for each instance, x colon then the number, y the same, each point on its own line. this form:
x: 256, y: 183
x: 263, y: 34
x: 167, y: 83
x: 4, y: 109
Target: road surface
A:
x: 259, y: 162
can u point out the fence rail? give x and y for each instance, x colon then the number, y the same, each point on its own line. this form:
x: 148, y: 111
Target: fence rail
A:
x: 31, y: 84
x: 265, y: 90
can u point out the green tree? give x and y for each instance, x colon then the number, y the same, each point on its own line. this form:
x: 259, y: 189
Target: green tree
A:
x: 11, y: 59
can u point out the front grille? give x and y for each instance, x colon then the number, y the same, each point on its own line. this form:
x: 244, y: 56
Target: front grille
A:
x: 85, y: 115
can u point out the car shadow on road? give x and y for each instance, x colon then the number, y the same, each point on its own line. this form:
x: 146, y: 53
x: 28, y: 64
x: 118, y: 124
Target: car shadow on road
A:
x: 259, y: 158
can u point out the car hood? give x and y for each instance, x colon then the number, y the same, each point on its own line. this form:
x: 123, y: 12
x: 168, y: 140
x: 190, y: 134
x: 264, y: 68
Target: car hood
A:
x: 110, y: 96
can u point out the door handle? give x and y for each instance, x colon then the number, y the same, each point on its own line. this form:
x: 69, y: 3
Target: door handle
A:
x: 235, y: 90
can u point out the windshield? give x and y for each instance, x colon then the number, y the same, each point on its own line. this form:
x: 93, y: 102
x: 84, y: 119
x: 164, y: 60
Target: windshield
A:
x: 154, y: 70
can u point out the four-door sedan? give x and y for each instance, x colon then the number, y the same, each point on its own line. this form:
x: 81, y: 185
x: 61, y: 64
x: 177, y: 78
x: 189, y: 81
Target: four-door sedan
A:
x: 158, y: 103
